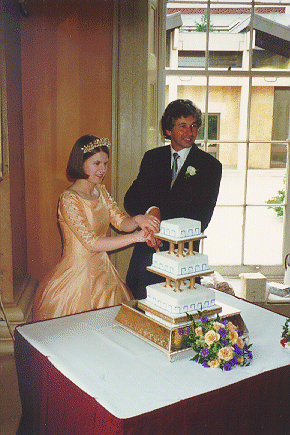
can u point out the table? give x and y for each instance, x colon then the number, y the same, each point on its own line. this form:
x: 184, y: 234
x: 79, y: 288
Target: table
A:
x: 81, y: 375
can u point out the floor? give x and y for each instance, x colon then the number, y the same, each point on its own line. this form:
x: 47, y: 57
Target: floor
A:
x: 10, y: 410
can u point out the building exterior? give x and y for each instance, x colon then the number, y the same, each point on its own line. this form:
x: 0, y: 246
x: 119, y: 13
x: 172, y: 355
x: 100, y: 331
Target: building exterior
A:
x: 229, y: 90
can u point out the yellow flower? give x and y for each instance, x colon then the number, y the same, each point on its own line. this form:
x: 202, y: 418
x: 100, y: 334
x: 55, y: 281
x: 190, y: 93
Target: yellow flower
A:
x: 198, y: 331
x: 231, y: 326
x: 214, y: 364
x: 226, y: 353
x: 240, y: 343
x: 210, y: 337
x: 233, y: 336
x: 217, y: 326
x: 241, y: 361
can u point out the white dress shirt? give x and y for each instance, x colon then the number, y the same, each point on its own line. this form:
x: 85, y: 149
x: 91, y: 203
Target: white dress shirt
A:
x: 182, y: 157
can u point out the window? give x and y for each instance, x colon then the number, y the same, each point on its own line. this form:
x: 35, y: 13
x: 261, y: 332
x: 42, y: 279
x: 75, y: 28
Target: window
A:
x: 195, y: 59
x: 213, y: 134
x: 236, y: 69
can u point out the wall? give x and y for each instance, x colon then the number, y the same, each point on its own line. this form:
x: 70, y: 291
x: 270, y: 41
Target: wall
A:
x: 12, y: 195
x: 67, y: 92
x: 261, y: 127
x: 226, y: 101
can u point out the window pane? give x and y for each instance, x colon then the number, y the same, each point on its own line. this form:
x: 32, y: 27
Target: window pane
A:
x: 224, y: 236
x: 231, y: 188
x: 263, y: 237
x: 264, y: 185
x: 270, y: 40
x: 278, y: 155
x: 262, y: 99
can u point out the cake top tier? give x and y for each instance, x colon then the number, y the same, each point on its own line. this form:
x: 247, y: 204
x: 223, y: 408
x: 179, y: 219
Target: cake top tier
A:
x: 179, y: 229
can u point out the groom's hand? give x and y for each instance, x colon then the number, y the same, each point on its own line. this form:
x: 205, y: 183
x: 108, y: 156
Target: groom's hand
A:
x: 152, y: 241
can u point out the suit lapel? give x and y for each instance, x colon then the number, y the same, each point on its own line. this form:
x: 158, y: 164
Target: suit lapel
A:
x: 165, y: 166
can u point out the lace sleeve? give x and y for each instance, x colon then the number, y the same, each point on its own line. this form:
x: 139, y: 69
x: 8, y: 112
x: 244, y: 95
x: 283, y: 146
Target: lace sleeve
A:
x: 71, y: 210
x: 116, y: 215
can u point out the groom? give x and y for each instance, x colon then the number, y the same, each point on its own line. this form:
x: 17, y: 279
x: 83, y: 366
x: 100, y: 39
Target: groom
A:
x: 178, y: 180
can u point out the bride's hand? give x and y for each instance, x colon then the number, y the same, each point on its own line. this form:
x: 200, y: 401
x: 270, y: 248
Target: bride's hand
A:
x: 148, y: 223
x: 140, y: 236
x: 152, y: 241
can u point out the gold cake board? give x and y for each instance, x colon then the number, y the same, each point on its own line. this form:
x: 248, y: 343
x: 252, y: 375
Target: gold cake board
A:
x: 135, y: 317
x: 165, y: 318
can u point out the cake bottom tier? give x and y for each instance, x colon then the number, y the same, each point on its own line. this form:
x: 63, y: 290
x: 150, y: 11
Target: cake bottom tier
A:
x: 187, y: 301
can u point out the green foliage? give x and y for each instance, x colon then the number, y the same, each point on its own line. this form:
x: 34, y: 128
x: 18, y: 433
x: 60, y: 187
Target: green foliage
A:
x: 285, y: 341
x: 278, y: 199
x: 201, y: 27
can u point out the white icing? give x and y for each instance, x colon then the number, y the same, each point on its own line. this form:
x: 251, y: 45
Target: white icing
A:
x: 187, y: 301
x: 180, y: 228
x: 180, y: 266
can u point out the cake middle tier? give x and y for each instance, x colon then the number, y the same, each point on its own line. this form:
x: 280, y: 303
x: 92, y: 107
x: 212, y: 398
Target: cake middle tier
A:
x: 180, y: 266
x: 187, y: 301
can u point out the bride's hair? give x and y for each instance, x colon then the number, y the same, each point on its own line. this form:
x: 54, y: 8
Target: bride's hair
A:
x: 85, y: 147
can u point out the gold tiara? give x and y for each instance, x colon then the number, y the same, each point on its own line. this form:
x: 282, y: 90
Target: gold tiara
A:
x: 103, y: 142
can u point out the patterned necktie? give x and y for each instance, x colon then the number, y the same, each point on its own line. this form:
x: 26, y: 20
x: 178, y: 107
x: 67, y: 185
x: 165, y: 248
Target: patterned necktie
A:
x: 174, y: 168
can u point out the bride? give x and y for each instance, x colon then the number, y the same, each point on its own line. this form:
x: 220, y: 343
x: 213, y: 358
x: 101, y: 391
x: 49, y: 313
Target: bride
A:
x: 85, y: 279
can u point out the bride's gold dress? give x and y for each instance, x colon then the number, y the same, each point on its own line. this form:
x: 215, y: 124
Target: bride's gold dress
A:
x: 83, y: 280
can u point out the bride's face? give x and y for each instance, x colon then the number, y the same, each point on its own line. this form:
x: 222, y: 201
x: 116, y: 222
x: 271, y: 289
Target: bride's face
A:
x: 96, y: 167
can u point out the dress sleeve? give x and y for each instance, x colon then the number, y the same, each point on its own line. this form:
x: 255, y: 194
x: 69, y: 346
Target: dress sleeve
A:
x: 116, y: 215
x: 71, y: 209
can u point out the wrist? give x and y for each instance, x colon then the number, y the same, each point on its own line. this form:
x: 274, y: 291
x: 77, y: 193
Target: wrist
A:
x: 137, y: 219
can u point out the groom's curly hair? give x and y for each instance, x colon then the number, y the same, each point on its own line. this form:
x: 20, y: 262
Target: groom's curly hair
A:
x: 175, y: 110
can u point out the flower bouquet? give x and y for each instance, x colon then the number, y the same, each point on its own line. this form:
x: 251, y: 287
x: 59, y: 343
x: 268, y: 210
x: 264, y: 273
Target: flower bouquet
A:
x: 285, y: 341
x: 218, y: 343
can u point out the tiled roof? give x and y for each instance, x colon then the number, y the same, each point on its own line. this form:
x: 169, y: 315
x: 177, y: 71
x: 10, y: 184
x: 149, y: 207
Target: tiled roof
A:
x: 226, y: 11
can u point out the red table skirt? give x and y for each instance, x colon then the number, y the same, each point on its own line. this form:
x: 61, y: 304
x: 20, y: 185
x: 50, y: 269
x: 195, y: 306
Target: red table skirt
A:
x: 53, y: 405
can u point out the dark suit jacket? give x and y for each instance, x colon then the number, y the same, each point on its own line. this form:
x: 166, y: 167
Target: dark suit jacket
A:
x: 193, y: 197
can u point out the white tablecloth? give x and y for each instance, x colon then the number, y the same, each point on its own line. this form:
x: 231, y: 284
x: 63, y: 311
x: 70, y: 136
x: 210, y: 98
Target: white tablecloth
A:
x: 116, y: 367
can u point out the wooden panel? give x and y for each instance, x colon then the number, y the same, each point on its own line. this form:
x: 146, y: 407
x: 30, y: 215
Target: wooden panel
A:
x: 12, y: 217
x: 66, y: 78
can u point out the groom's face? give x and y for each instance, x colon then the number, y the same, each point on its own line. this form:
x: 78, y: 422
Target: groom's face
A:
x: 183, y: 133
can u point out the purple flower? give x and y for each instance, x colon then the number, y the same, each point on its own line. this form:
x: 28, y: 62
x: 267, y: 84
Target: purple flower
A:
x: 187, y: 331
x: 205, y: 364
x: 240, y: 332
x: 224, y: 342
x: 224, y: 322
x: 204, y: 352
x: 180, y: 331
x: 250, y: 355
x: 238, y: 353
x: 204, y: 319
x: 228, y: 366
x: 222, y: 332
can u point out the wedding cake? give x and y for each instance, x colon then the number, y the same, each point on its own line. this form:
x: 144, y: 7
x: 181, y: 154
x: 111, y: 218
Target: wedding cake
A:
x: 161, y: 318
x: 180, y: 228
x: 180, y: 265
x: 186, y: 301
